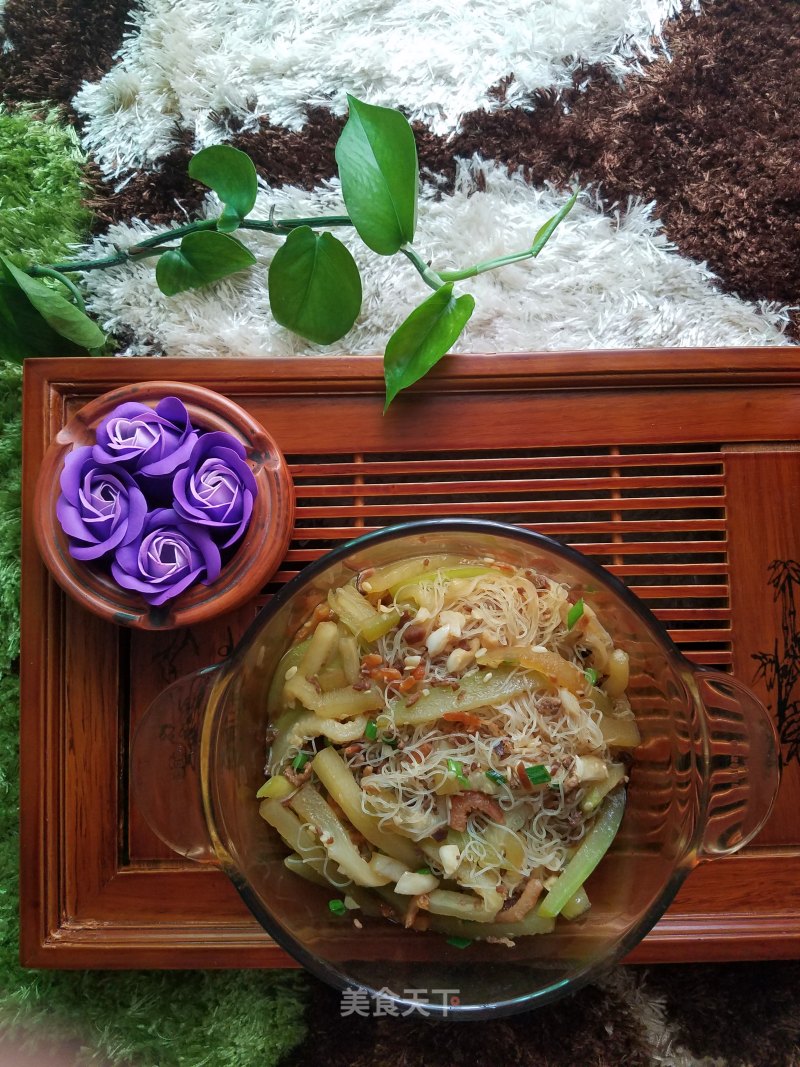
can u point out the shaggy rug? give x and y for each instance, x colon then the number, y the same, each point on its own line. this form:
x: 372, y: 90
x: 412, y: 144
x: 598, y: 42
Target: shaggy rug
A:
x: 678, y: 122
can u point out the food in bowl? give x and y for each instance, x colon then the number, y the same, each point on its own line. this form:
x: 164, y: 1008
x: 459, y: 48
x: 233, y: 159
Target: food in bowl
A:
x: 450, y: 745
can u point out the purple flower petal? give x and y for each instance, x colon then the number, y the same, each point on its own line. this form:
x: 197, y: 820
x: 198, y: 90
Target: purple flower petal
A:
x: 167, y: 557
x: 71, y: 476
x: 176, y: 588
x: 153, y: 442
x: 137, y: 513
x: 173, y: 409
x: 216, y: 489
x: 175, y: 451
x: 100, y: 506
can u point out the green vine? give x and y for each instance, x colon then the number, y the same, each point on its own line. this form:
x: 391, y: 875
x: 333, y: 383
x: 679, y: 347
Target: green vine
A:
x: 314, y: 282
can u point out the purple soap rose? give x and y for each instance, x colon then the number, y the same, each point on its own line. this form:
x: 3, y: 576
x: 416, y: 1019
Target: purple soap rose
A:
x: 152, y: 442
x: 168, y: 556
x: 100, y: 508
x: 216, y: 488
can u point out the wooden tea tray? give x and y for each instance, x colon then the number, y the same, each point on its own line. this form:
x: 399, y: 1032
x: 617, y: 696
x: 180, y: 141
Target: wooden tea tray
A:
x: 678, y: 470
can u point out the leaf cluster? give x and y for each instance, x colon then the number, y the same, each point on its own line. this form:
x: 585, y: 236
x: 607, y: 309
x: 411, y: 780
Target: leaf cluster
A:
x: 35, y: 319
x: 314, y: 282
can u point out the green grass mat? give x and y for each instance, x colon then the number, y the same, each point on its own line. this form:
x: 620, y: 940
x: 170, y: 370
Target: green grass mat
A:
x: 163, y: 1019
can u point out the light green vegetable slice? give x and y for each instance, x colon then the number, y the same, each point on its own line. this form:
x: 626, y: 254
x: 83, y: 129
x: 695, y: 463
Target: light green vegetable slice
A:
x: 276, y: 788
x: 347, y: 703
x: 381, y: 623
x: 576, y: 905
x: 291, y: 829
x: 301, y: 726
x: 338, y: 779
x: 334, y: 838
x: 320, y: 648
x: 464, y: 905
x: 348, y: 653
x: 285, y: 736
x: 406, y: 589
x: 591, y: 850
x: 352, y: 608
x: 393, y: 575
x: 301, y: 690
x: 620, y: 733
x: 601, y: 700
x: 359, y: 616
x: 290, y: 659
x: 595, y: 795
x: 480, y: 690
x: 297, y: 865
x: 553, y: 669
x: 332, y: 676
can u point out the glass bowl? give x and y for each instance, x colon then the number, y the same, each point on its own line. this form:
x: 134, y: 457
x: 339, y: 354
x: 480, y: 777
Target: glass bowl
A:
x: 702, y: 784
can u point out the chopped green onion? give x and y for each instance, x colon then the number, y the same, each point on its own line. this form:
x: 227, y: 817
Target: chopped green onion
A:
x: 497, y: 777
x: 338, y: 907
x: 300, y: 760
x: 538, y: 775
x: 371, y: 730
x: 424, y: 870
x: 459, y: 942
x: 575, y: 612
x: 390, y: 741
x: 455, y: 767
x: 591, y: 675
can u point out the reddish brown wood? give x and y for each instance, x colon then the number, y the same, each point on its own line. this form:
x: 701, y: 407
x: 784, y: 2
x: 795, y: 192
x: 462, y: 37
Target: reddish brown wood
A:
x: 517, y: 486
x: 679, y: 447
x: 763, y: 489
x: 469, y: 464
x: 257, y: 555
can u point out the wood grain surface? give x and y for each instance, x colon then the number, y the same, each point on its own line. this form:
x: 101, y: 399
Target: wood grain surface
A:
x: 679, y: 471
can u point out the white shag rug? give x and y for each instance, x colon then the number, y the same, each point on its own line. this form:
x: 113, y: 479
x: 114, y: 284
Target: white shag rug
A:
x: 603, y: 281
x: 185, y: 61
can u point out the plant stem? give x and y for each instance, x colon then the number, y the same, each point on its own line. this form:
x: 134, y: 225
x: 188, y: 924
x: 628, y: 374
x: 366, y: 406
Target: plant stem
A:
x: 429, y: 276
x: 487, y: 265
x: 51, y: 272
x: 76, y: 265
x: 539, y: 241
x: 152, y: 246
x: 169, y: 235
x: 277, y: 225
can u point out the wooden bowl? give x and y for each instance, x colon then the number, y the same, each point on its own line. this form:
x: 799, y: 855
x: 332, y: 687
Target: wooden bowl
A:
x: 255, y: 558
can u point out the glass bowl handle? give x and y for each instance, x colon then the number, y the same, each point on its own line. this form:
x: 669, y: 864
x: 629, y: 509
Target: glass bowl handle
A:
x: 742, y: 765
x: 165, y: 765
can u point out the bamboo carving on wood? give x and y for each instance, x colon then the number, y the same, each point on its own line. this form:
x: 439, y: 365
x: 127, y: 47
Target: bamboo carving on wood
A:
x: 780, y: 668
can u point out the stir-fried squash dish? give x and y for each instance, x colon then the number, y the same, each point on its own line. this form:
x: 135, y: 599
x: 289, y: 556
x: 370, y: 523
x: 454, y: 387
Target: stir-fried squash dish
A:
x: 449, y: 748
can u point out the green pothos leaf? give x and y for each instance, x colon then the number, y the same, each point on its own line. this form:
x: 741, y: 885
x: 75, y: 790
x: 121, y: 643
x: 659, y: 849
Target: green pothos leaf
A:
x: 377, y: 160
x: 314, y: 286
x: 35, y: 320
x: 203, y: 257
x: 427, y: 334
x: 232, y: 175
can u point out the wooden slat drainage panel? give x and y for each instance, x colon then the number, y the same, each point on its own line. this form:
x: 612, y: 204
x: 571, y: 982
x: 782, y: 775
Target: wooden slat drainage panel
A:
x: 654, y: 518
